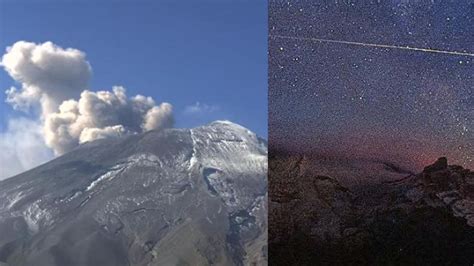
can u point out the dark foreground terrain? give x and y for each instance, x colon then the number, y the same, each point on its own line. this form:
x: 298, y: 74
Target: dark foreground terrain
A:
x: 174, y: 197
x: 330, y: 212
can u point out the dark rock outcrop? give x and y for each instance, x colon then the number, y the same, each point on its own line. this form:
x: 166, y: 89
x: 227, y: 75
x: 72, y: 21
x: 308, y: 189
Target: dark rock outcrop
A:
x: 439, y: 165
x: 423, y: 219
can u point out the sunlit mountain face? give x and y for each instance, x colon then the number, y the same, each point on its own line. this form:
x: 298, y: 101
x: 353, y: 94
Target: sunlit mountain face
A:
x: 171, y: 197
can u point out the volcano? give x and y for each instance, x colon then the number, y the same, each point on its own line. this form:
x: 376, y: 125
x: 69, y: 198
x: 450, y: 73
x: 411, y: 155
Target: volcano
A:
x: 171, y: 197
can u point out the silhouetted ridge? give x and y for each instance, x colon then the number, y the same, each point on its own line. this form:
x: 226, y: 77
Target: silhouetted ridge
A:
x: 422, y: 219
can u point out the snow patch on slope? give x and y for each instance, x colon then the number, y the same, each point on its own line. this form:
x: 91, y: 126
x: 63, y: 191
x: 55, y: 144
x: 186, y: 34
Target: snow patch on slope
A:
x: 239, y: 149
x: 141, y: 159
x: 230, y: 157
x: 14, y: 198
x: 107, y: 176
x: 35, y: 216
x: 193, y: 161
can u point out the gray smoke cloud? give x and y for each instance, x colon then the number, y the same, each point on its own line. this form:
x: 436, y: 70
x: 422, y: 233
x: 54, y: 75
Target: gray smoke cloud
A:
x: 54, y: 82
x: 103, y: 114
x: 48, y: 74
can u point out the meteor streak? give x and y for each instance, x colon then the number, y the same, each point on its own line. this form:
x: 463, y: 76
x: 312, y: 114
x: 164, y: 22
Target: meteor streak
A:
x: 374, y: 45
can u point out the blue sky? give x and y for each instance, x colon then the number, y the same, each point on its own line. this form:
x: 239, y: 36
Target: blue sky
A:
x: 213, y: 52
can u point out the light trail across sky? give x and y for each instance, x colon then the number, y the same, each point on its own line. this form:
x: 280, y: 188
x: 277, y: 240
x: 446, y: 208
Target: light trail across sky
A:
x: 429, y: 50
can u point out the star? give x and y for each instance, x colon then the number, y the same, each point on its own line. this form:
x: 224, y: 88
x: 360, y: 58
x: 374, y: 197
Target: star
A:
x: 403, y: 98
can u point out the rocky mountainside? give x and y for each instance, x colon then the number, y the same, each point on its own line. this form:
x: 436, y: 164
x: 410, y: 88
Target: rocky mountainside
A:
x: 173, y: 197
x: 390, y: 218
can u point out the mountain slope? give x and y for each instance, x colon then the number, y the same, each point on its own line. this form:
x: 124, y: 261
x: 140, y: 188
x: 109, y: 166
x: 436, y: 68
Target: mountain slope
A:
x: 173, y: 197
x: 337, y: 213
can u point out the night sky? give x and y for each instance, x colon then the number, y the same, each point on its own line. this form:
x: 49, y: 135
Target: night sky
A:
x: 368, y: 102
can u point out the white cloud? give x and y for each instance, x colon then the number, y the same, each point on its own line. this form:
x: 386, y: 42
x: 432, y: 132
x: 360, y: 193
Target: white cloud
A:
x: 200, y: 108
x: 22, y: 147
x: 55, y: 83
